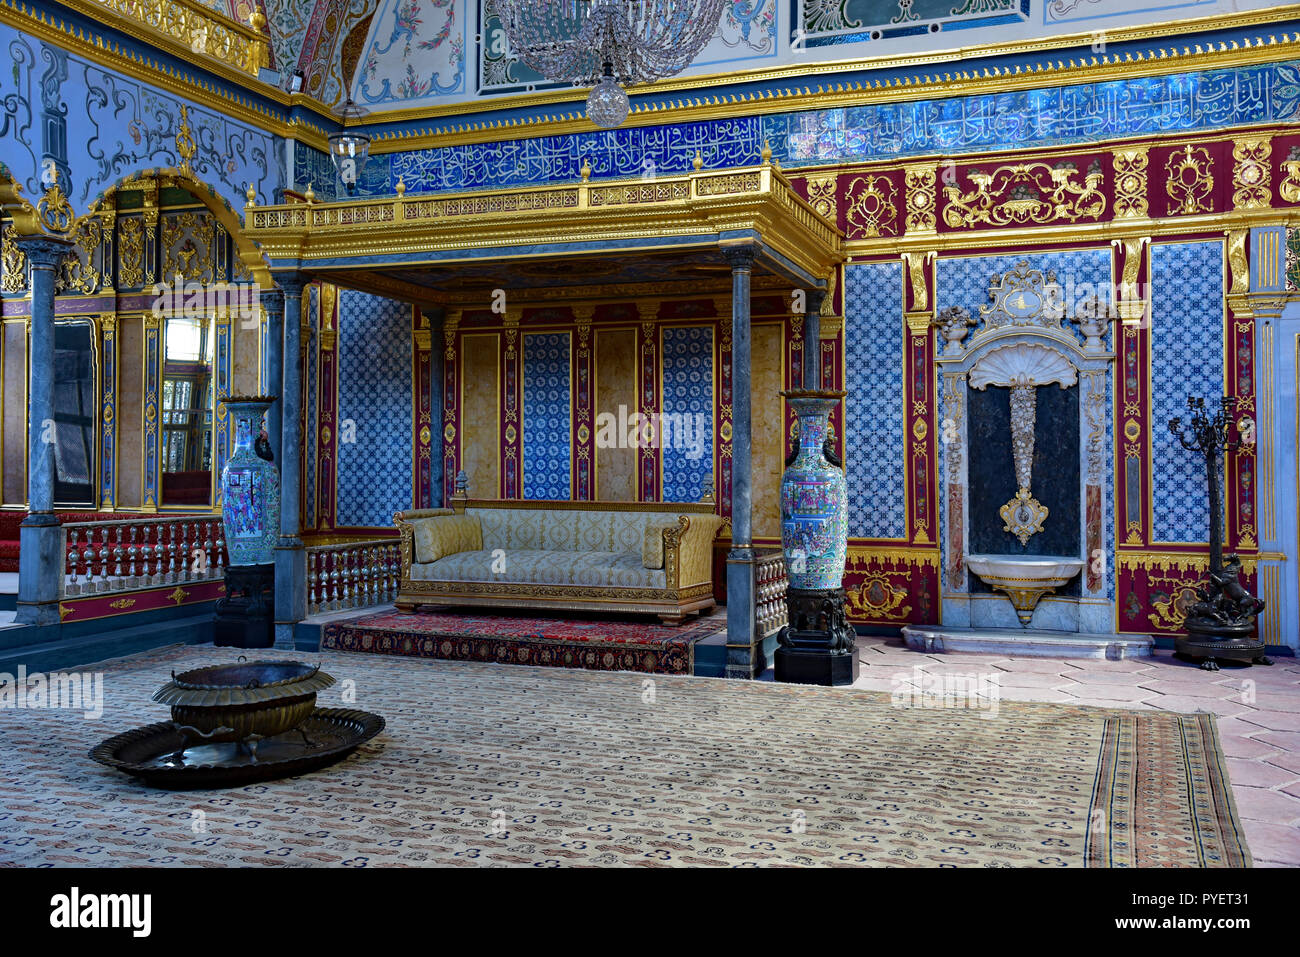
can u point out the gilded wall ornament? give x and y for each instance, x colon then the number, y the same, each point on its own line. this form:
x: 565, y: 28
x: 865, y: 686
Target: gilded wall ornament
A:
x: 1025, y: 193
x: 1131, y: 183
x: 13, y: 263
x: 1190, y: 180
x: 1024, y: 296
x: 1290, y: 186
x: 78, y: 273
x: 185, y: 145
x: 871, y: 208
x: 919, y: 182
x: 53, y: 208
x: 1253, y: 174
x: 822, y: 196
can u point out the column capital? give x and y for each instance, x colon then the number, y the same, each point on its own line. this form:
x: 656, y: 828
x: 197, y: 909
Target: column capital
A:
x: 44, y: 252
x: 292, y: 283
x: 741, y: 256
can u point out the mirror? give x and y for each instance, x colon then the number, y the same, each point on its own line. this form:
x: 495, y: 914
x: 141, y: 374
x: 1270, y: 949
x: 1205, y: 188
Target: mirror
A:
x: 187, y: 411
x: 75, y: 414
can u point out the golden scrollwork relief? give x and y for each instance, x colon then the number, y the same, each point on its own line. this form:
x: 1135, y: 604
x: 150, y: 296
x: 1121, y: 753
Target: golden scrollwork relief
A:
x: 185, y: 145
x: 1290, y: 186
x: 919, y: 181
x: 823, y: 197
x: 1179, y: 594
x: 1026, y: 193
x: 187, y: 238
x: 53, y: 208
x: 1190, y: 180
x: 78, y: 273
x: 1252, y: 175
x: 1131, y: 183
x: 871, y: 205
x: 13, y: 263
x: 1238, y: 261
x: 877, y: 597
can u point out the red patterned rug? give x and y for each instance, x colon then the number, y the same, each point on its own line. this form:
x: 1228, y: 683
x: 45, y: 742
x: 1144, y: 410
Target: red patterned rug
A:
x: 555, y: 642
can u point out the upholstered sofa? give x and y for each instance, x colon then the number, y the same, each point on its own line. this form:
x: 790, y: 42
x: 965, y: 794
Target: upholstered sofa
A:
x: 596, y: 556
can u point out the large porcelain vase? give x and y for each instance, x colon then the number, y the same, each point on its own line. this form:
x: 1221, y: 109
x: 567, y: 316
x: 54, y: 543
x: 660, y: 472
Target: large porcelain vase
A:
x: 814, y: 499
x: 250, y: 489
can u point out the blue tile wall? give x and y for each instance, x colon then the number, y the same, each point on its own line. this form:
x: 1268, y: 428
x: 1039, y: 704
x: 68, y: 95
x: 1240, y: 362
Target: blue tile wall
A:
x: 547, y: 416
x: 1027, y: 119
x: 688, y: 391
x: 875, y: 421
x: 1186, y: 359
x: 374, y: 472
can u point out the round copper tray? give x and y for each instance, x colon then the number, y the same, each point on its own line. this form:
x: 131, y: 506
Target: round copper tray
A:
x: 150, y: 753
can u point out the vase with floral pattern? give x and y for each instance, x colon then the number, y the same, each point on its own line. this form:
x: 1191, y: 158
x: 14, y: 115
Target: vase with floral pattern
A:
x: 250, y: 488
x: 814, y: 499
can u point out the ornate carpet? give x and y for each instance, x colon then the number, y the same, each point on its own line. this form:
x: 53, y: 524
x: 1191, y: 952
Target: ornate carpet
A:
x: 484, y: 765
x: 546, y: 642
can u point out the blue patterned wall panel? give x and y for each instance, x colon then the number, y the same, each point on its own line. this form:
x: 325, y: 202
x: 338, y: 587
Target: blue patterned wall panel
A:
x: 309, y: 434
x: 875, y: 423
x: 547, y: 406
x: 98, y: 127
x: 1186, y: 359
x: 1028, y: 119
x: 688, y: 410
x: 374, y: 472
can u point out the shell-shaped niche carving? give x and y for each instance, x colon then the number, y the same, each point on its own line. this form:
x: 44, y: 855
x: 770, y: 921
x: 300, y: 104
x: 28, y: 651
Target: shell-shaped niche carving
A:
x: 1023, y: 364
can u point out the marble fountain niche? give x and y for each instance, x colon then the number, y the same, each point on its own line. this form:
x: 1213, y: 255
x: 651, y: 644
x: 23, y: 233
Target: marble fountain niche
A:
x: 1028, y: 552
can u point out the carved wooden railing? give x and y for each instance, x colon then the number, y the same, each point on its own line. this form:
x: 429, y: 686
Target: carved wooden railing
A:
x: 770, y: 583
x: 352, y: 574
x: 101, y: 558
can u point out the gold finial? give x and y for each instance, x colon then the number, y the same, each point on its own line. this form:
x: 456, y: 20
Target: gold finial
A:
x: 251, y: 194
x: 310, y: 195
x: 401, y: 187
x: 586, y: 170
x: 767, y: 151
x: 256, y: 20
x: 53, y: 208
x: 698, y: 162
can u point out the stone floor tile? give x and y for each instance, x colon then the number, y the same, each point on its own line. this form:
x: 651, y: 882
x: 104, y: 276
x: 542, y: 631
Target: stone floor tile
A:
x: 1132, y: 678
x: 1274, y: 807
x: 1254, y: 773
x: 1236, y: 747
x: 1043, y: 666
x: 1284, y: 759
x: 1108, y: 692
x: 1285, y: 740
x: 1194, y: 688
x: 1289, y: 703
x: 1188, y: 704
x: 1272, y: 843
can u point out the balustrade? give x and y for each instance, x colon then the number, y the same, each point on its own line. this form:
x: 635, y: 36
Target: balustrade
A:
x: 352, y: 574
x: 126, y: 555
x: 770, y: 583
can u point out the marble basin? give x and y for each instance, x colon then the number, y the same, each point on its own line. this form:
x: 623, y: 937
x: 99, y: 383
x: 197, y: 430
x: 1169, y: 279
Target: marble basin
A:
x: 1024, y: 578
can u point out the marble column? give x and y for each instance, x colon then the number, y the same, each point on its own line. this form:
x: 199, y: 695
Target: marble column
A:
x: 741, y: 651
x: 273, y: 300
x: 40, y: 562
x: 290, y: 556
x: 812, y: 339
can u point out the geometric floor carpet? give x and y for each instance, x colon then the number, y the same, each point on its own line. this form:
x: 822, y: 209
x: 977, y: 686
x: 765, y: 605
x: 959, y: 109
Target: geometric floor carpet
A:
x: 484, y: 764
x: 598, y: 644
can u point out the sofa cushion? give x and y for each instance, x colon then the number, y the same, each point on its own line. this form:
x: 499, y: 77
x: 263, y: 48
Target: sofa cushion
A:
x: 542, y: 567
x: 445, y: 535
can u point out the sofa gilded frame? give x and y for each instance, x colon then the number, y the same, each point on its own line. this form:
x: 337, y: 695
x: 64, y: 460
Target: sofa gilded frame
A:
x: 688, y: 573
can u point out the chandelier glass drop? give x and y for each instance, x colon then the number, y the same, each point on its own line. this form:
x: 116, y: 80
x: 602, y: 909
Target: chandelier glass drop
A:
x: 608, y: 44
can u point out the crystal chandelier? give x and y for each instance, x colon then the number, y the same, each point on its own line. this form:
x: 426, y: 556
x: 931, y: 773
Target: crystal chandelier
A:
x: 349, y: 148
x: 608, y: 44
